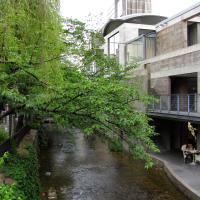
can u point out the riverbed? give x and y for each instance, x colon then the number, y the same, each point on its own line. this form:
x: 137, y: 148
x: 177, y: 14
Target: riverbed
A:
x: 75, y: 167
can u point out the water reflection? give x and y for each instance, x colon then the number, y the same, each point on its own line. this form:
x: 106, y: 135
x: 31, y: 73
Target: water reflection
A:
x: 87, y: 170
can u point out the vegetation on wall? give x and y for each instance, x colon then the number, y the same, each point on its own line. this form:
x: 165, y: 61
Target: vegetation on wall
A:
x: 116, y: 145
x: 10, y: 193
x: 24, y: 171
x: 50, y: 67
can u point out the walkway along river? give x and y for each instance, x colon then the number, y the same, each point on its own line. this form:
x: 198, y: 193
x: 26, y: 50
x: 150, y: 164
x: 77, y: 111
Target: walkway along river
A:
x: 85, y: 169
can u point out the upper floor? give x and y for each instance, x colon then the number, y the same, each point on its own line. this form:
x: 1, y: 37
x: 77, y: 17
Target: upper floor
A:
x: 131, y: 38
x: 168, y: 51
x: 179, y: 31
x: 140, y: 37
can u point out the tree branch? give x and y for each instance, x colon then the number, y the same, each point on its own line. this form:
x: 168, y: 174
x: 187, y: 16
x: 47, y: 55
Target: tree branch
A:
x: 6, y: 113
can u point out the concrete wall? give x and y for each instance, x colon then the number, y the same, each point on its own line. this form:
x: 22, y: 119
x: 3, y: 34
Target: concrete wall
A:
x: 172, y: 38
x: 160, y: 86
x: 160, y: 71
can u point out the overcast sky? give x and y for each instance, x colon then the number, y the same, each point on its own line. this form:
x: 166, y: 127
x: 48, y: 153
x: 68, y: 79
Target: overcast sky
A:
x: 81, y: 8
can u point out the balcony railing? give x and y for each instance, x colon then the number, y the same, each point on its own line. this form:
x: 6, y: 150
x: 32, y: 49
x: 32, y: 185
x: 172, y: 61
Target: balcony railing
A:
x: 181, y: 104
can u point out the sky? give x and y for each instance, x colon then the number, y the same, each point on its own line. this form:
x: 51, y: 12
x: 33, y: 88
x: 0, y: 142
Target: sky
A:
x: 81, y: 9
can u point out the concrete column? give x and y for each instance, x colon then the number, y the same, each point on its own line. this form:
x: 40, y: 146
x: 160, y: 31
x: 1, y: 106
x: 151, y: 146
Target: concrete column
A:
x: 116, y: 8
x: 198, y: 92
x: 198, y: 137
x: 198, y: 32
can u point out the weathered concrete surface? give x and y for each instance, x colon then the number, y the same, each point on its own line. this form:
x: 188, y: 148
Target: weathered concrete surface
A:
x: 185, y: 176
x: 29, y: 139
x: 172, y: 38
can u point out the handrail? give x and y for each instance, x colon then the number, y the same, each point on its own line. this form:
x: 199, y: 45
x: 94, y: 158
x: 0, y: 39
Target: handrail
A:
x: 175, y: 102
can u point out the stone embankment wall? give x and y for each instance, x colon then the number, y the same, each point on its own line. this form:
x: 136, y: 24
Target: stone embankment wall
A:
x: 19, y: 177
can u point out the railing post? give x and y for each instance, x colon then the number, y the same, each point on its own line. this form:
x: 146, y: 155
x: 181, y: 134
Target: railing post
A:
x: 160, y: 103
x: 153, y: 105
x: 178, y: 103
x: 169, y: 103
x: 188, y: 97
x: 196, y: 98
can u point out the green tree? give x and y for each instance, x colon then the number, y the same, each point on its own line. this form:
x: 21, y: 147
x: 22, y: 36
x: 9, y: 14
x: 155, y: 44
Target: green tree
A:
x: 47, y: 71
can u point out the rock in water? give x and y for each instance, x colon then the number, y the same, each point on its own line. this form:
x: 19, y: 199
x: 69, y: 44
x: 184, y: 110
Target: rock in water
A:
x: 52, y: 193
x: 48, y: 174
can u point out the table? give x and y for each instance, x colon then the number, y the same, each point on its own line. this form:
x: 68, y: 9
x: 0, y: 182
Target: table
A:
x: 194, y: 153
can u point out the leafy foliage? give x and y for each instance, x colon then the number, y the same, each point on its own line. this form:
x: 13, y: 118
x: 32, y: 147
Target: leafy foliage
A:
x: 10, y: 193
x: 24, y: 170
x: 52, y: 67
x: 116, y: 145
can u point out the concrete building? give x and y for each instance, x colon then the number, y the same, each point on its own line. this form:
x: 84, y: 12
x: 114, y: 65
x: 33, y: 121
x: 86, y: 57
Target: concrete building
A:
x: 168, y: 53
x: 125, y: 36
x: 127, y: 7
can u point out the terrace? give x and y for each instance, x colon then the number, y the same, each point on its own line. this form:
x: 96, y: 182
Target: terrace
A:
x: 176, y: 104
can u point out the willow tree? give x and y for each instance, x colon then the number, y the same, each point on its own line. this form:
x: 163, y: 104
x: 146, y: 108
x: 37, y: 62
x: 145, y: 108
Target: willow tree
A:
x: 46, y: 71
x: 30, y: 37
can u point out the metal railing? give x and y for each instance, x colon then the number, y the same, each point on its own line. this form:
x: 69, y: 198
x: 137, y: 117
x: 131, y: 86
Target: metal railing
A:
x: 175, y: 103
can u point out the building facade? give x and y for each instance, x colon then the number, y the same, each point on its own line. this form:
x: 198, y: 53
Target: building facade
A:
x: 168, y: 54
x: 128, y: 7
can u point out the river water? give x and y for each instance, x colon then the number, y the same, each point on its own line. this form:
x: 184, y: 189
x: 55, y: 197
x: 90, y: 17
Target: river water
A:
x: 79, y: 168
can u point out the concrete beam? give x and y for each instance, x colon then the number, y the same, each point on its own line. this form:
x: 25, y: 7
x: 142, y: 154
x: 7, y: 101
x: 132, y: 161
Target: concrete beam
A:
x: 182, y: 16
x: 173, y: 54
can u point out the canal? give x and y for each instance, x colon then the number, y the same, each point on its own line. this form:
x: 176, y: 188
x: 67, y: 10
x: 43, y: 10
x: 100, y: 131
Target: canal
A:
x: 79, y: 168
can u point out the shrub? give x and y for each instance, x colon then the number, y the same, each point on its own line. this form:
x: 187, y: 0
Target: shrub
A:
x: 8, y: 192
x: 24, y: 170
x: 116, y: 145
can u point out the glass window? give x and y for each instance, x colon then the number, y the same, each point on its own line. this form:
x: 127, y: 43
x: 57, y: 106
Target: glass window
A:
x: 193, y: 30
x: 113, y: 43
x: 119, y: 8
x: 142, y: 48
x: 135, y: 51
x: 150, y: 45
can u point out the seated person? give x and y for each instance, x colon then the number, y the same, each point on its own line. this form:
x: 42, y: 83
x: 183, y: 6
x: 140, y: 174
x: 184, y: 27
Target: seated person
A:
x: 186, y: 148
x: 189, y: 147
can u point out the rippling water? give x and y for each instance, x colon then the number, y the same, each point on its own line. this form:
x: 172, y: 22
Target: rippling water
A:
x: 86, y: 170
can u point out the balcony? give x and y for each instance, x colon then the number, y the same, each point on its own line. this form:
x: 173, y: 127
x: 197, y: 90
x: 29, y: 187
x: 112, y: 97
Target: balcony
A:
x: 176, y: 104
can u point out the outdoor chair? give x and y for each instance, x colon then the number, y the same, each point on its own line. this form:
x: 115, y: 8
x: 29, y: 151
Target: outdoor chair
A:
x: 187, y: 156
x: 197, y: 158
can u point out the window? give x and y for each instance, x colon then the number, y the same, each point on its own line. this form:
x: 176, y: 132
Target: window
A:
x: 142, y: 48
x: 113, y: 43
x: 119, y: 8
x: 150, y: 45
x: 135, y: 51
x: 193, y: 33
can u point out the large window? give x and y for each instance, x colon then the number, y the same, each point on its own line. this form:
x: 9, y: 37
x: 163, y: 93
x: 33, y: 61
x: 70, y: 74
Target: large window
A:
x: 135, y: 51
x: 142, y: 48
x: 113, y: 43
x: 150, y: 45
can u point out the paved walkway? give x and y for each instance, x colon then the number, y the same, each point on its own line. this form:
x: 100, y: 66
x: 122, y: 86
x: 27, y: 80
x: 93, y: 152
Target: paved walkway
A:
x: 185, y: 176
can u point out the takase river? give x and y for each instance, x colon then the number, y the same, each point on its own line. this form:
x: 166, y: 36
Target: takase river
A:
x: 79, y: 168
